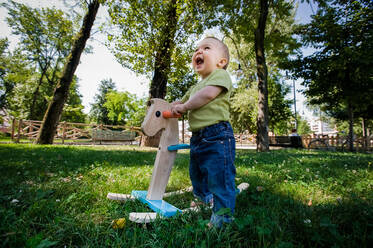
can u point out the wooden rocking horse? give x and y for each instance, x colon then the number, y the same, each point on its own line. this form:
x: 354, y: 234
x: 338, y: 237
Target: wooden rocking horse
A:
x: 159, y: 118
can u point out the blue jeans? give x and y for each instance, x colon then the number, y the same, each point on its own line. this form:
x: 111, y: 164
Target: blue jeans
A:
x: 212, y: 169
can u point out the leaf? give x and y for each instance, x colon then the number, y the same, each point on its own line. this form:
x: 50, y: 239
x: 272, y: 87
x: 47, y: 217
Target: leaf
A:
x: 71, y: 197
x: 243, y: 222
x: 46, y: 243
x: 40, y: 194
x: 263, y: 230
x: 224, y: 211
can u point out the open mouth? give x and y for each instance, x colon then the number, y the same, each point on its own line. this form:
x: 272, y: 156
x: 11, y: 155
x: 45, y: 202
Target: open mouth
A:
x: 199, y: 60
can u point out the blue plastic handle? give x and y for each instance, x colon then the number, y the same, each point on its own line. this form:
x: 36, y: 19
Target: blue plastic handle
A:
x: 178, y: 147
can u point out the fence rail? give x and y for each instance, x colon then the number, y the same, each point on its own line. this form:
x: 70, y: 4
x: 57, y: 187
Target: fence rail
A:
x: 337, y: 142
x: 73, y: 131
x: 312, y: 142
x: 98, y: 132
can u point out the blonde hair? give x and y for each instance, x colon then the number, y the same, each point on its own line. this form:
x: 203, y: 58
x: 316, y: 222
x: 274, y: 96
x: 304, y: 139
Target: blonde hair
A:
x: 225, y: 50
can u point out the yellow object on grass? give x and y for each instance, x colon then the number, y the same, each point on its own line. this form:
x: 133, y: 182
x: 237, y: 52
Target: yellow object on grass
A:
x: 118, y: 223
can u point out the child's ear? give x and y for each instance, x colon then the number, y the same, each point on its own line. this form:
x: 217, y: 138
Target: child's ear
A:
x: 222, y: 62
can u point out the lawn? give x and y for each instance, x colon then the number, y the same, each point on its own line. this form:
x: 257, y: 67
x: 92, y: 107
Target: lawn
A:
x: 55, y: 196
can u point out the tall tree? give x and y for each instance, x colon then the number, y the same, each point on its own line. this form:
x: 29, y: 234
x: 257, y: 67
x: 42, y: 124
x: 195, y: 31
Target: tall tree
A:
x: 269, y: 24
x: 244, y: 105
x: 13, y: 71
x: 73, y: 110
x: 55, y: 108
x: 45, y: 38
x: 262, y: 141
x: 99, y: 113
x: 5, y: 87
x: 179, y: 83
x: 339, y: 74
x: 279, y: 111
x: 149, y: 33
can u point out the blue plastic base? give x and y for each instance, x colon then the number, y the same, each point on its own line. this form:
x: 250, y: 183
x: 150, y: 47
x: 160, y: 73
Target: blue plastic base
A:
x: 160, y: 206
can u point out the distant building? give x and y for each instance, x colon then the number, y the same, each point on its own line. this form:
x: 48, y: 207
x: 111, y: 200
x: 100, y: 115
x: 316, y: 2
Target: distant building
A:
x: 319, y: 127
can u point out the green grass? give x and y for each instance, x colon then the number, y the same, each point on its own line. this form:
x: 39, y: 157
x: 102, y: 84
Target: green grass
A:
x: 55, y: 196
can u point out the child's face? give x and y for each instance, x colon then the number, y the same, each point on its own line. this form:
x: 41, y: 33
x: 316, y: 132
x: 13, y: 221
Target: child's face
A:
x: 207, y: 57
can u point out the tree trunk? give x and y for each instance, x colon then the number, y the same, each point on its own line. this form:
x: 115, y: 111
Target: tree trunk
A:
x: 162, y: 65
x: 61, y: 92
x: 262, y: 121
x: 158, y: 86
x: 351, y: 128
x: 365, y: 137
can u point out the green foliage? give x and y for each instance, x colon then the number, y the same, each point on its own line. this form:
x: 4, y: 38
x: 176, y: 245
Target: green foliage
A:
x: 279, y: 108
x: 155, y: 38
x: 343, y: 127
x: 338, y: 75
x: 56, y: 195
x: 303, y: 127
x: 124, y: 108
x: 179, y: 84
x: 244, y: 106
x: 73, y: 110
x: 45, y: 39
x: 14, y: 71
x: 98, y: 112
x: 238, y: 24
x: 141, y: 25
x: 244, y: 109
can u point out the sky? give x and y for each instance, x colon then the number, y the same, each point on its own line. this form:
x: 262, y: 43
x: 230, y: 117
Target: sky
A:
x: 101, y: 64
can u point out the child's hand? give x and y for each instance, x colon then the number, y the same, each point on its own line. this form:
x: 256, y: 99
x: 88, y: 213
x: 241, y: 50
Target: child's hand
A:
x: 178, y: 109
x: 176, y: 102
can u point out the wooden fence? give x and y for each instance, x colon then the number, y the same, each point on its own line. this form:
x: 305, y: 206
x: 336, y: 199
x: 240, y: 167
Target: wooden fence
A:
x: 74, y: 131
x: 97, y: 132
x: 337, y: 142
x: 311, y: 142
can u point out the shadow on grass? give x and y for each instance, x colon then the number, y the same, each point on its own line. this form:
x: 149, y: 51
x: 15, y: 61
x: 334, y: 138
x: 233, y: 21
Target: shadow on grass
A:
x: 311, y: 157
x: 271, y: 219
x: 36, y: 160
x: 77, y: 213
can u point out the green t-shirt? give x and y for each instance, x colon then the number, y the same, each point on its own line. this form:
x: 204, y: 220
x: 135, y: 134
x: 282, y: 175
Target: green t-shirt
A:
x: 215, y: 111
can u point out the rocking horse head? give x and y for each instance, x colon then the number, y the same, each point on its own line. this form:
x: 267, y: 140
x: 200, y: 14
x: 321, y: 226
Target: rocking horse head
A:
x: 155, y: 119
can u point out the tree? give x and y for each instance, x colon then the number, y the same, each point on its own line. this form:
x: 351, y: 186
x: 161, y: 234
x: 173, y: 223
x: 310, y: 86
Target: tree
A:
x: 98, y: 112
x: 179, y: 83
x: 46, y: 37
x: 13, y: 71
x: 149, y: 33
x: 244, y: 109
x: 279, y: 112
x: 124, y: 108
x: 73, y: 109
x: 339, y: 75
x: 244, y: 105
x: 5, y: 87
x: 262, y: 73
x: 269, y: 24
x: 303, y: 127
x: 55, y: 108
